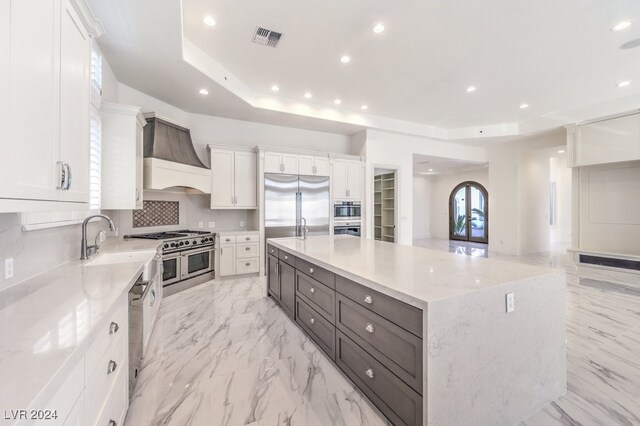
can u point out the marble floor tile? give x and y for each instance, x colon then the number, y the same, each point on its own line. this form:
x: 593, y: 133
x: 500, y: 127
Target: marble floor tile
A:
x: 222, y: 354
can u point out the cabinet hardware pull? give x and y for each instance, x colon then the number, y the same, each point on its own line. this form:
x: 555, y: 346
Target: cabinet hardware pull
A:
x: 368, y: 299
x: 311, y: 270
x: 112, y: 423
x: 369, y: 327
x: 312, y: 290
x: 63, y: 176
x: 312, y: 320
x: 369, y: 372
x: 113, y: 328
x: 247, y: 238
x: 286, y: 257
x: 247, y: 248
x: 228, y: 239
x: 111, y: 367
x: 137, y: 194
x: 153, y: 297
x: 69, y: 176
x: 247, y: 264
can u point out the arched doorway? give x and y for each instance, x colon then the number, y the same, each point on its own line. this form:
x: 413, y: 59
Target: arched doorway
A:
x: 469, y: 213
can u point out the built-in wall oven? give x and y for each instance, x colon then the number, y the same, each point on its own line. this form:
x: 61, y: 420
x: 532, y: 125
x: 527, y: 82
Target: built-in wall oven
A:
x: 346, y: 210
x: 347, y: 228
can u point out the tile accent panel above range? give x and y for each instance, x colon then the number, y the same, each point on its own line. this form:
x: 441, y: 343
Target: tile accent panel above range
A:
x: 157, y: 213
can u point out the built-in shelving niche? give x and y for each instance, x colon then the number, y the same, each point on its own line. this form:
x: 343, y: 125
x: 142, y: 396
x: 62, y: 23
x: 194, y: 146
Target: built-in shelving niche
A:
x: 384, y: 205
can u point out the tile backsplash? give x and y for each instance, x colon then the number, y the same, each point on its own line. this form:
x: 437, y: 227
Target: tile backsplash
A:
x: 157, y: 213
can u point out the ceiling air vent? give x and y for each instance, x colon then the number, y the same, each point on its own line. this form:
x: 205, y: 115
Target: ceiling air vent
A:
x: 266, y: 37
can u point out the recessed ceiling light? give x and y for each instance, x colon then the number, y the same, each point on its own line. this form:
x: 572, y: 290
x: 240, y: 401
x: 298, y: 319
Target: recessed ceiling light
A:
x: 561, y: 151
x: 622, y: 25
x: 471, y: 89
x: 378, y: 28
x: 204, y: 92
x: 209, y: 21
x: 308, y: 95
x: 364, y: 107
x: 623, y: 84
x: 345, y: 59
x: 430, y: 170
x: 524, y: 106
x: 337, y: 102
x: 275, y: 88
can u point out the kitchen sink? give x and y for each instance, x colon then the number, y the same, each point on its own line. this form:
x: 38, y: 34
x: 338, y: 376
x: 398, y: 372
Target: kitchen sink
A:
x: 116, y: 258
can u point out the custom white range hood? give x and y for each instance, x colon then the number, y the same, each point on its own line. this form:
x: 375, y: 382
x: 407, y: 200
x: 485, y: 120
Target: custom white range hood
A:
x: 169, y: 157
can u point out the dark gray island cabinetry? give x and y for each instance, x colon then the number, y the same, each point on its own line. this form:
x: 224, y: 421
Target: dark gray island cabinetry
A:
x: 374, y: 339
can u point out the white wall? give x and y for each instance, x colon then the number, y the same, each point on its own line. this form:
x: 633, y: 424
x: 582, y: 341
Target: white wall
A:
x: 609, y: 199
x: 395, y: 151
x: 206, y: 129
x: 513, y: 173
x: 442, y: 186
x: 422, y: 201
x: 561, y: 174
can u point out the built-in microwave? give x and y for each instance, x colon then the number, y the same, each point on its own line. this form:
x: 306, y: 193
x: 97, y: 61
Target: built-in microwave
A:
x: 346, y: 210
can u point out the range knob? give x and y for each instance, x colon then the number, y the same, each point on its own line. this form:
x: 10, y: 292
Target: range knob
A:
x: 186, y: 243
x: 173, y: 244
x: 166, y: 246
x: 181, y: 243
x: 194, y: 242
x: 204, y: 240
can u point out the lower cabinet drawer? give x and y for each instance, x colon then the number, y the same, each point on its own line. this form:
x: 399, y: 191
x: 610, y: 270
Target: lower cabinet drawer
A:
x: 319, y: 329
x: 247, y: 250
x: 327, y: 278
x: 98, y: 386
x: 247, y: 266
x: 399, y: 350
x: 394, y: 398
x: 321, y: 297
x: 115, y: 409
x: 115, y: 326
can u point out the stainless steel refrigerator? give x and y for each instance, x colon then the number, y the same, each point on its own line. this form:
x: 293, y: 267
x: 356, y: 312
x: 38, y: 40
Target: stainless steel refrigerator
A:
x: 288, y: 198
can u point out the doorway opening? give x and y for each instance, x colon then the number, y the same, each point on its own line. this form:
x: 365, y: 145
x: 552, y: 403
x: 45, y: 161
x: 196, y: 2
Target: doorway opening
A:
x: 469, y: 213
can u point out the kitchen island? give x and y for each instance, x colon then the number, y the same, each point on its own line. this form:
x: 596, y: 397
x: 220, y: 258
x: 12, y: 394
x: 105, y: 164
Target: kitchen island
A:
x: 430, y: 337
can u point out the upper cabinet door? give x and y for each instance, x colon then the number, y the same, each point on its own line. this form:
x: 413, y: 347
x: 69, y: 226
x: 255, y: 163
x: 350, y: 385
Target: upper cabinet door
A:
x: 28, y: 112
x: 322, y: 166
x: 222, y: 175
x: 306, y: 165
x: 354, y: 180
x: 74, y: 103
x: 339, y: 179
x: 245, y: 177
x: 290, y: 164
x: 272, y: 162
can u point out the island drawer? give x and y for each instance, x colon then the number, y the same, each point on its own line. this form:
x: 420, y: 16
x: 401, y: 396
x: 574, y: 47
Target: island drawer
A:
x: 320, y: 274
x: 287, y: 257
x: 406, y: 316
x: 318, y: 295
x: 272, y: 250
x: 397, y: 401
x: 396, y: 348
x: 317, y: 327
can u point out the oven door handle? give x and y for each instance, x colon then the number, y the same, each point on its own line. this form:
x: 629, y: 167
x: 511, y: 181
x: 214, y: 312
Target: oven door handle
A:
x: 197, y: 251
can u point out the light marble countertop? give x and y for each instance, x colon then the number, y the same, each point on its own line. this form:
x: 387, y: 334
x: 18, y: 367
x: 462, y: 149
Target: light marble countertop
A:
x: 238, y: 232
x: 48, y: 321
x: 411, y: 274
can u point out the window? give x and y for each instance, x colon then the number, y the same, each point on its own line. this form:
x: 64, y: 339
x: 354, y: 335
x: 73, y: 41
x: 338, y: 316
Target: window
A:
x: 96, y: 72
x: 95, y: 150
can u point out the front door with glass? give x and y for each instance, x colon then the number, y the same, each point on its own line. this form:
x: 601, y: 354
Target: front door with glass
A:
x: 469, y: 213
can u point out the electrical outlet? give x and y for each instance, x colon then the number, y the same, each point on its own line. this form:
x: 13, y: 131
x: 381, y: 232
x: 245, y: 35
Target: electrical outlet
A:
x: 8, y: 268
x: 212, y: 224
x: 510, y: 301
x: 200, y: 225
x: 242, y: 224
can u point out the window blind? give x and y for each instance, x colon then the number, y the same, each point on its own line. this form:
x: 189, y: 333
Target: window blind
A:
x: 95, y: 160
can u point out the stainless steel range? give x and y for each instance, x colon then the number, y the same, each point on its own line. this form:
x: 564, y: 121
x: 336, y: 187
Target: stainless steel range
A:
x: 187, y: 258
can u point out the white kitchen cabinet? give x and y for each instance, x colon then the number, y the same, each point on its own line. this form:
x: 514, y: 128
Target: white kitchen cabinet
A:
x: 310, y: 165
x: 280, y: 162
x: 346, y: 179
x: 44, y: 74
x: 602, y: 142
x: 238, y: 254
x: 233, y: 178
x: 122, y: 156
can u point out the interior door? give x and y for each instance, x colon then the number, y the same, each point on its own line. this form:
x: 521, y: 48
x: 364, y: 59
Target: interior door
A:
x: 314, y: 203
x: 74, y: 103
x: 222, y: 175
x: 274, y: 277
x: 245, y: 179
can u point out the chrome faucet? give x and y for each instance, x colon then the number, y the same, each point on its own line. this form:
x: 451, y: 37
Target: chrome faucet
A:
x: 87, y: 252
x: 304, y: 228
